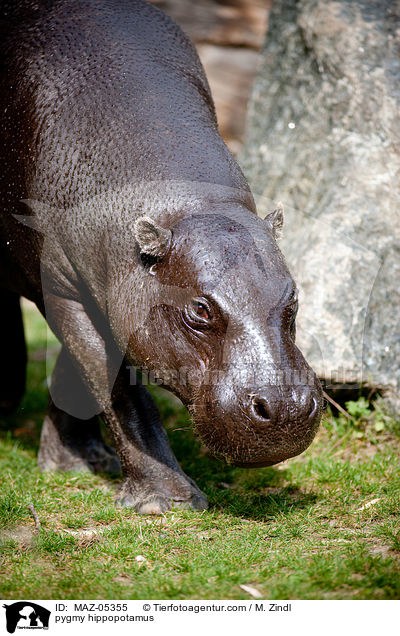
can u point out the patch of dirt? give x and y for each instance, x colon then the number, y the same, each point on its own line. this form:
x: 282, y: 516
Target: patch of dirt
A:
x: 378, y: 548
x: 21, y: 534
x: 86, y: 533
x: 382, y: 550
x: 125, y: 579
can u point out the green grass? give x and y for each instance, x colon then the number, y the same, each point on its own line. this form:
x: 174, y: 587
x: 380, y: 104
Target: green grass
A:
x: 303, y: 529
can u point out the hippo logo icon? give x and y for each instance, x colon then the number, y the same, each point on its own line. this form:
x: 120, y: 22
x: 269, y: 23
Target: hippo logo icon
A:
x: 26, y: 615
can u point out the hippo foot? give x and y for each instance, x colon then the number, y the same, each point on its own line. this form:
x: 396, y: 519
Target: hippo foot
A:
x: 157, y: 500
x: 84, y: 453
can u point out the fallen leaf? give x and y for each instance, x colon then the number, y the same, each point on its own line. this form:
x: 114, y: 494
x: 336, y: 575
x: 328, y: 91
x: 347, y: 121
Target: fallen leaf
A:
x: 251, y: 590
x: 82, y: 533
x: 28, y: 428
x: 369, y: 503
x: 204, y: 535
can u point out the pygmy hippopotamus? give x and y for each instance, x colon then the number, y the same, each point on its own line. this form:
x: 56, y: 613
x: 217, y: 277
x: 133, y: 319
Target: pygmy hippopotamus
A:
x: 128, y: 222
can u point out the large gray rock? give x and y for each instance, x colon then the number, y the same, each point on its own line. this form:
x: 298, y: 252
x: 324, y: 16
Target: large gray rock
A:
x: 324, y: 138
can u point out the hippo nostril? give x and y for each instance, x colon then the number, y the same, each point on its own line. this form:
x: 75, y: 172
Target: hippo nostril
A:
x: 260, y: 408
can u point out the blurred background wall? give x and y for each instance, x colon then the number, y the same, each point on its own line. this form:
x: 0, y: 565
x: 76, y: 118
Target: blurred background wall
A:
x: 229, y: 36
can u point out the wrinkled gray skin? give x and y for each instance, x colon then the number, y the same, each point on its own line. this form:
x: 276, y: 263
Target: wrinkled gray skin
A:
x: 136, y: 235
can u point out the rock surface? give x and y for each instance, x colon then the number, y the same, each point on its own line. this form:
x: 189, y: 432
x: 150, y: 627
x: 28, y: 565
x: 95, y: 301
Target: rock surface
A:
x: 324, y: 138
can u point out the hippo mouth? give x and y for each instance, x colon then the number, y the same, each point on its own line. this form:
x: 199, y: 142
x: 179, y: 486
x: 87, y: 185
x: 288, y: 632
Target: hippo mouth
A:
x: 263, y: 444
x: 273, y: 458
x: 262, y: 463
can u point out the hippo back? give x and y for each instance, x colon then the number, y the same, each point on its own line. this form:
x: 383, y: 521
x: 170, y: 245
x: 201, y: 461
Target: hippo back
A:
x: 112, y: 91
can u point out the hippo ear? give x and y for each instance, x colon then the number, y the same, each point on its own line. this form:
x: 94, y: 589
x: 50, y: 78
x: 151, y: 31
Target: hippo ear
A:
x: 275, y: 220
x: 152, y: 239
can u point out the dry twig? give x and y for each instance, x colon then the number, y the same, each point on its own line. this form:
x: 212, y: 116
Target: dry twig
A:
x: 34, y: 515
x: 336, y: 405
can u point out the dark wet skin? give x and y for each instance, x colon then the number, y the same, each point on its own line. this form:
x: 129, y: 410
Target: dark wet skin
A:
x: 141, y: 246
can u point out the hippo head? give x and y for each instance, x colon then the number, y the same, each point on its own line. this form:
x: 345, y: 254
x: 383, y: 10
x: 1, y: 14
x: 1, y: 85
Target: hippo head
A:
x: 218, y: 329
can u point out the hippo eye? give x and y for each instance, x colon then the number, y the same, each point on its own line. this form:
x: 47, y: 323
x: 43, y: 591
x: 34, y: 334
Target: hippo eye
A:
x: 198, y: 312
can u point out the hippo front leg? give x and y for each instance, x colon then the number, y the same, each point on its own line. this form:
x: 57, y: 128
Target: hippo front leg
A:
x: 153, y: 480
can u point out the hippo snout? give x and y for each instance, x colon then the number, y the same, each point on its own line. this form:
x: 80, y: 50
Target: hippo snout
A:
x: 288, y: 423
x: 267, y: 426
x: 268, y: 406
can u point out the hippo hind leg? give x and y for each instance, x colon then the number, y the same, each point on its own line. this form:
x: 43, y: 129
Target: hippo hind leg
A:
x: 69, y: 442
x: 13, y: 367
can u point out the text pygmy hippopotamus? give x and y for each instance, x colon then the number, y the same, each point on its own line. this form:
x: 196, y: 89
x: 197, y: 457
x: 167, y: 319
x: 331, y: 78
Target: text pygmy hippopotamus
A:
x: 128, y: 222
